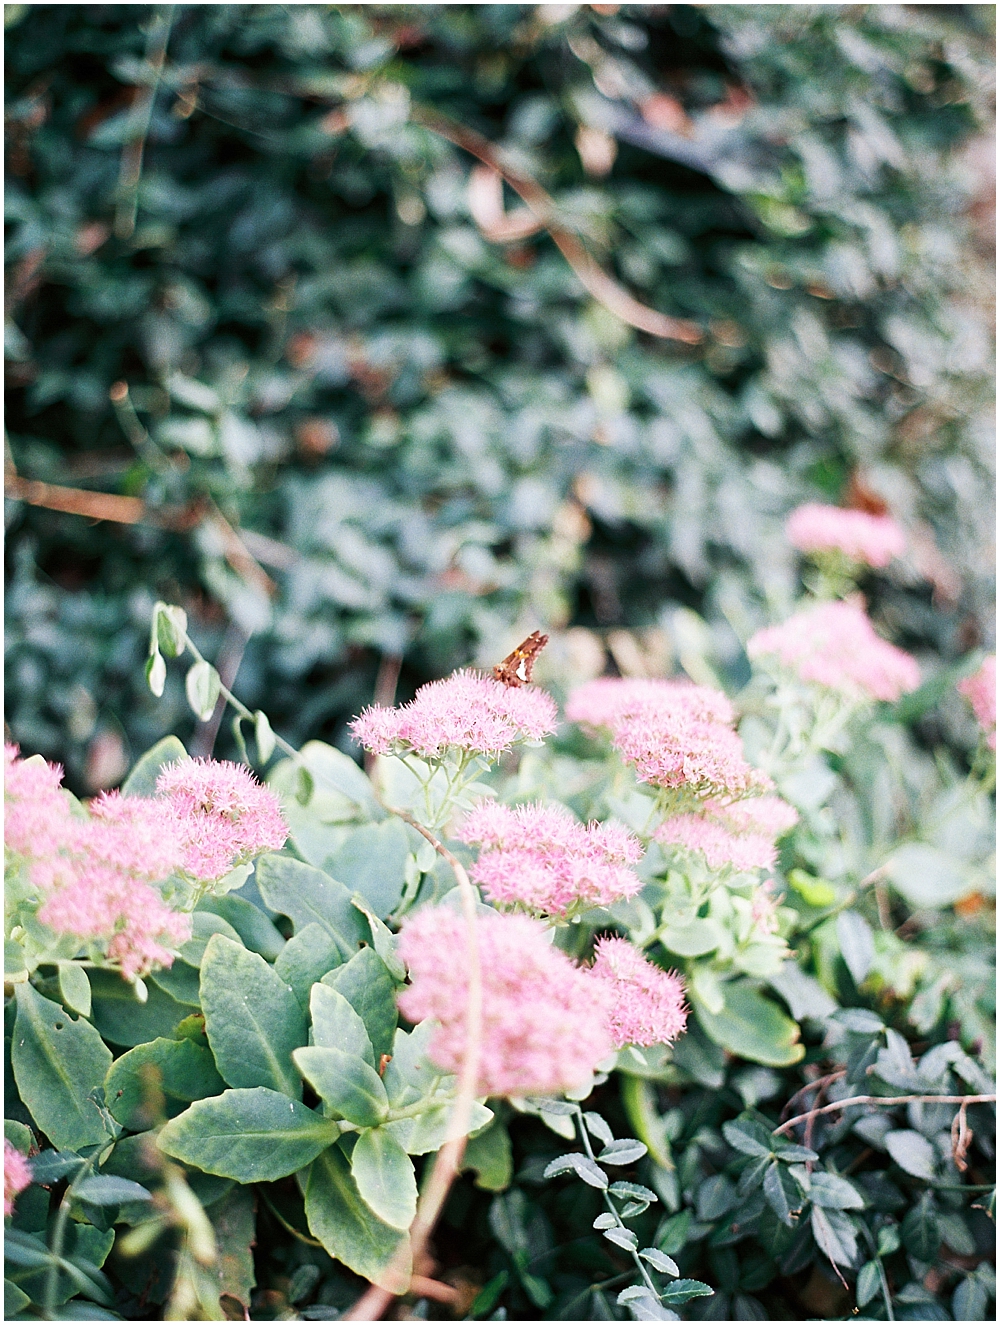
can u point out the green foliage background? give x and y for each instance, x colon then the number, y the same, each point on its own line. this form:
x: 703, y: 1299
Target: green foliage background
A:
x: 501, y: 453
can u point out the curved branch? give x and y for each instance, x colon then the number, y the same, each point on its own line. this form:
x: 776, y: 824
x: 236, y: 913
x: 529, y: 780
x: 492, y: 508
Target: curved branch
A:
x: 964, y: 1100
x: 590, y: 274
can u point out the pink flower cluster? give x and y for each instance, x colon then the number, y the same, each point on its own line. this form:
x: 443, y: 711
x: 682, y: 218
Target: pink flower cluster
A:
x: 97, y: 872
x: 539, y: 857
x: 741, y: 836
x: 764, y: 908
x: 872, y: 540
x: 647, y: 1003
x: 677, y: 735
x: 224, y: 814
x: 16, y: 1175
x: 980, y: 690
x: 834, y: 645
x: 544, y: 1020
x: 464, y: 710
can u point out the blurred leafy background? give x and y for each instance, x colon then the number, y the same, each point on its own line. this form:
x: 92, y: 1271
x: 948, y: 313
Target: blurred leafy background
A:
x: 372, y: 429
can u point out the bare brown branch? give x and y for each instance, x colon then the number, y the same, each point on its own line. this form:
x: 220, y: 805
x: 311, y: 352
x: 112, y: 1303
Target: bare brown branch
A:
x: 890, y: 1100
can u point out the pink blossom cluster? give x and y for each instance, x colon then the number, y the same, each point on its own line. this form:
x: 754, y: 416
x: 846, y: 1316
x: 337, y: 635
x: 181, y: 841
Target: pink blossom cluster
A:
x: 834, y: 645
x: 741, y: 836
x: 872, y: 540
x: 764, y: 908
x: 677, y: 735
x: 465, y: 710
x: 539, y: 857
x: 610, y: 699
x: 647, y: 1003
x: 16, y: 1175
x: 224, y: 814
x: 544, y: 1024
x: 980, y: 689
x: 97, y: 871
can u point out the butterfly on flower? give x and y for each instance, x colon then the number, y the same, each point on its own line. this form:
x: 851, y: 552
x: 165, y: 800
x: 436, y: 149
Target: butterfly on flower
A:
x: 523, y: 657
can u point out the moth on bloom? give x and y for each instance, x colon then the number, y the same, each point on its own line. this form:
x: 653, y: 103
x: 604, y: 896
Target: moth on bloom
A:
x: 539, y: 857
x: 610, y: 699
x: 872, y: 540
x: 834, y: 645
x: 544, y: 1025
x: 980, y: 689
x: 465, y: 710
x: 16, y: 1175
x: 225, y: 816
x: 647, y: 1003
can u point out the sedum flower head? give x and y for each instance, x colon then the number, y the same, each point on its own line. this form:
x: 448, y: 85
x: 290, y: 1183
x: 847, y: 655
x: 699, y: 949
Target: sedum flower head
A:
x: 834, y: 645
x: 465, y: 710
x: 539, y: 857
x: 544, y: 1020
x: 610, y: 699
x: 16, y: 1175
x: 740, y: 836
x: 647, y: 1002
x: 872, y: 540
x: 675, y: 750
x: 225, y: 816
x: 980, y: 690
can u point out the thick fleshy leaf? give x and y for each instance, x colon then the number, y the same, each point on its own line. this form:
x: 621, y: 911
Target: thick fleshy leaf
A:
x: 58, y: 1061
x: 348, y: 1229
x: 254, y: 1135
x: 383, y: 1173
x: 346, y: 1084
x: 912, y: 1152
x: 369, y: 988
x: 252, y: 1018
x: 336, y: 1025
x: 308, y: 896
x: 167, y: 1074
x: 751, y: 1026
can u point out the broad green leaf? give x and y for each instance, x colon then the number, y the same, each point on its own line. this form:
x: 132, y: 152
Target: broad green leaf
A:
x: 683, y: 1290
x: 781, y: 1193
x: 181, y: 982
x: 369, y: 988
x: 334, y: 772
x: 102, y: 1189
x: 235, y: 1223
x: 929, y: 877
x: 836, y: 1193
x: 74, y: 988
x: 57, y: 1062
x: 383, y: 1173
x: 409, y: 1075
x: 659, y: 1260
x: 307, y: 895
x: 14, y: 1300
x: 349, y: 1231
x: 857, y: 944
x: 751, y: 1026
x: 489, y: 1155
x: 383, y: 939
x: 252, y: 1019
x: 869, y: 1283
x: 202, y: 686
x: 749, y: 1136
x: 335, y: 1024
x: 142, y: 780
x: 694, y: 940
x: 249, y: 922
x: 346, y: 1084
x: 372, y: 862
x: 429, y: 1130
x: 163, y: 1074
x: 912, y: 1152
x: 624, y: 1151
x: 804, y: 995
x: 204, y: 924
x: 970, y: 1301
x: 306, y: 958
x: 835, y: 1235
x: 920, y: 1232
x: 254, y: 1135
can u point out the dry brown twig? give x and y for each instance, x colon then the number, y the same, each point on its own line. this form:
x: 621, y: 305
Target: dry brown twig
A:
x: 889, y: 1100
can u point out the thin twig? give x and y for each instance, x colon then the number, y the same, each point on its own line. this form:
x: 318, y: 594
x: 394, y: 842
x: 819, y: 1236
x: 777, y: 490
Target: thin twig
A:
x: 373, y: 1303
x: 890, y: 1100
x: 130, y: 172
x: 76, y: 501
x: 812, y: 1085
x: 590, y: 274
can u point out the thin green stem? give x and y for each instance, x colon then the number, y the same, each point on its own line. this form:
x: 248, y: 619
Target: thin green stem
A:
x: 612, y: 1209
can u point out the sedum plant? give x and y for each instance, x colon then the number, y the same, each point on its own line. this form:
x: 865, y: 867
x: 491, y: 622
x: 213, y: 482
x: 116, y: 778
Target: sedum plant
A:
x: 309, y: 1006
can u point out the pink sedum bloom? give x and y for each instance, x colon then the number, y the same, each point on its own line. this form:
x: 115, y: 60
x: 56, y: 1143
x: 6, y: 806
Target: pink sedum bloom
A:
x: 465, y: 710
x: 225, y: 816
x: 980, y: 690
x: 16, y: 1175
x: 541, y: 858
x: 544, y: 1020
x: 764, y: 908
x: 647, y: 1003
x: 834, y: 645
x: 673, y: 750
x: 760, y: 814
x: 610, y: 699
x: 872, y: 540
x: 720, y: 846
